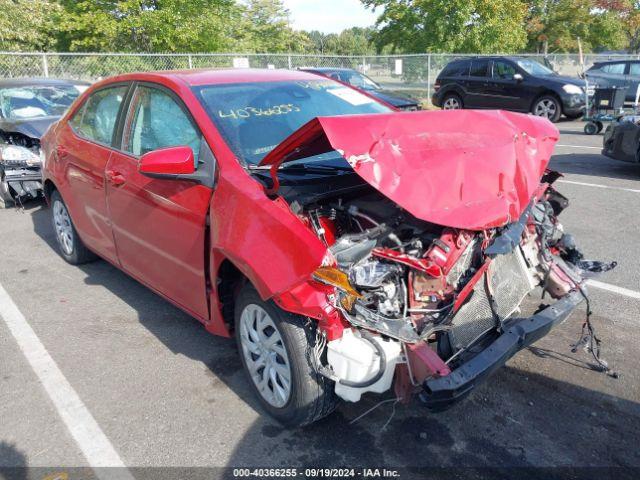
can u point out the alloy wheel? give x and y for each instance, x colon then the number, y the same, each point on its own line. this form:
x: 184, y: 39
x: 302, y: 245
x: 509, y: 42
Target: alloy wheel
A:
x: 451, y: 103
x: 63, y: 228
x: 265, y: 355
x: 546, y: 108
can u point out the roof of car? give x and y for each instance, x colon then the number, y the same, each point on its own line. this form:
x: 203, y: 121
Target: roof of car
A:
x: 212, y: 77
x: 326, y: 69
x: 18, y: 82
x: 619, y: 60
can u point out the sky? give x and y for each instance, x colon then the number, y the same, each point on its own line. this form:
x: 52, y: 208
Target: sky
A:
x: 328, y: 16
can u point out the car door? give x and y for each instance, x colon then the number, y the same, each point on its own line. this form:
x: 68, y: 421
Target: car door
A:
x: 505, y: 92
x: 478, y: 85
x: 84, y: 148
x: 633, y: 80
x: 160, y: 225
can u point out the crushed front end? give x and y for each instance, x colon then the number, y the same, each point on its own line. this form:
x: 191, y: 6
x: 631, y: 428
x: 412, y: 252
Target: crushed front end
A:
x: 20, y: 168
x: 433, y: 310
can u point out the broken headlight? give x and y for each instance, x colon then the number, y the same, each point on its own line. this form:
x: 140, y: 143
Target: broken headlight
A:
x: 13, y: 155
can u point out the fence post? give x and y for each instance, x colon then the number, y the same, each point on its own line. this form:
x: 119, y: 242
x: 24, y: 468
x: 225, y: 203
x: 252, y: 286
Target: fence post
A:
x: 429, y: 76
x: 289, y: 61
x: 45, y: 65
x: 190, y: 62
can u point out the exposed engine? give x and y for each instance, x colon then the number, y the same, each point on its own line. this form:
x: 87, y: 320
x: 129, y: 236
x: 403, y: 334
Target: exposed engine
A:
x: 20, y: 167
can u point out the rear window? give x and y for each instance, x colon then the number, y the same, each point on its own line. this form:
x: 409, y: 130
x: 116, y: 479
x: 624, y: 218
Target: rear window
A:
x: 456, y: 69
x: 479, y: 68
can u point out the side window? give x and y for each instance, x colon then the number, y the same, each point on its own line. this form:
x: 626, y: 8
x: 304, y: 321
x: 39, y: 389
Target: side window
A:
x: 456, y: 69
x: 96, y: 120
x: 157, y: 121
x: 614, y: 68
x: 479, y: 68
x: 503, y: 70
x: 634, y: 69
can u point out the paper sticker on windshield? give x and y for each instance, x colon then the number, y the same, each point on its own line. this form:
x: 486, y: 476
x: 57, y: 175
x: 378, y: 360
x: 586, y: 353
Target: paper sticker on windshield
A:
x: 349, y: 95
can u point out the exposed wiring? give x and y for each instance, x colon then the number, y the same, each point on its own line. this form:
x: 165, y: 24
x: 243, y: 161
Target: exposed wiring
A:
x: 372, y: 409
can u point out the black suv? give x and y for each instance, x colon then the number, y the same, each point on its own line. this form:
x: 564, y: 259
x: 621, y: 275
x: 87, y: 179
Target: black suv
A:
x: 510, y: 83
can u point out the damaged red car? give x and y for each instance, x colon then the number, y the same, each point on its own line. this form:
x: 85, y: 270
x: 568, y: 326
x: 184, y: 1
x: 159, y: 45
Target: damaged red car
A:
x: 348, y: 247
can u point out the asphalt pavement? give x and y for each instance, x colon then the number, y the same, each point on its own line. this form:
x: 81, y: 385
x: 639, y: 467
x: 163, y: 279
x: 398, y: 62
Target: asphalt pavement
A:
x: 96, y: 368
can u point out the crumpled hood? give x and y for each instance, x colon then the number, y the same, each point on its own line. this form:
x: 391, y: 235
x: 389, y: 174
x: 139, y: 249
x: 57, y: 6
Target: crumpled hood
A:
x: 460, y: 168
x: 31, y: 127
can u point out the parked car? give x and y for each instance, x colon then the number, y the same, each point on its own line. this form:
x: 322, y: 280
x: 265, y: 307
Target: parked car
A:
x: 616, y: 73
x: 328, y: 233
x: 518, y: 84
x: 27, y: 107
x: 622, y: 139
x: 358, y: 80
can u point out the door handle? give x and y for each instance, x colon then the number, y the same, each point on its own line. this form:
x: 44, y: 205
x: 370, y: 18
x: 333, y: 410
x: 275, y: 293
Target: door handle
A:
x: 115, y: 178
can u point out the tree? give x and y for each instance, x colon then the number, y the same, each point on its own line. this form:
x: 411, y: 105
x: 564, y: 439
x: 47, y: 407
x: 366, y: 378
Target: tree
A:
x: 27, y: 25
x: 461, y: 26
x: 557, y: 25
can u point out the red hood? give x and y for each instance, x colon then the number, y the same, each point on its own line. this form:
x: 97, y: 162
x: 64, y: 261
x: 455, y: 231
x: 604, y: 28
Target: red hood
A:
x: 459, y: 168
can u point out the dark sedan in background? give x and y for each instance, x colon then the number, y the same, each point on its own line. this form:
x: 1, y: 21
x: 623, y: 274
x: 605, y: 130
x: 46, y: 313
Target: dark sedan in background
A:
x: 518, y: 84
x: 362, y: 82
x: 27, y: 107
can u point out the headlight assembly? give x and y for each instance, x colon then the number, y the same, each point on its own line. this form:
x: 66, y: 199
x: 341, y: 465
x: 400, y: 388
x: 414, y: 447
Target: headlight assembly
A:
x: 18, y: 156
x: 573, y: 89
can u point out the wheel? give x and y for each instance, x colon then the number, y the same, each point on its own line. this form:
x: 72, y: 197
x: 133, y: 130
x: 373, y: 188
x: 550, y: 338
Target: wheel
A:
x: 276, y: 349
x: 6, y: 199
x: 71, y: 247
x: 548, y: 107
x: 600, y: 126
x: 590, y: 128
x: 452, y: 101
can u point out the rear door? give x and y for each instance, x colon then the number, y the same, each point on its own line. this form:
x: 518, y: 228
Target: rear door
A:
x: 160, y: 225
x: 84, y: 148
x: 478, y: 95
x: 633, y: 80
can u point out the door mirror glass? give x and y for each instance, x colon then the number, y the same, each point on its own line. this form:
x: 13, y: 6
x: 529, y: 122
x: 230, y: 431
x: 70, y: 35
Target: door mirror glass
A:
x: 167, y: 162
x: 518, y: 77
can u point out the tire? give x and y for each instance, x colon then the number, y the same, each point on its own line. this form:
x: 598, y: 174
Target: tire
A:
x: 575, y: 116
x: 6, y: 199
x: 452, y: 101
x: 590, y: 128
x: 309, y: 396
x: 600, y: 126
x: 72, y: 249
x: 547, y: 106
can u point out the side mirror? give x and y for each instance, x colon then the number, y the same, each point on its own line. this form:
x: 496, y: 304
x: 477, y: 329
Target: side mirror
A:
x: 518, y: 77
x: 172, y: 162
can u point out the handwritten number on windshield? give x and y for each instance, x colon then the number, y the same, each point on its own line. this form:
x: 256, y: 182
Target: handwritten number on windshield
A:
x: 247, y: 112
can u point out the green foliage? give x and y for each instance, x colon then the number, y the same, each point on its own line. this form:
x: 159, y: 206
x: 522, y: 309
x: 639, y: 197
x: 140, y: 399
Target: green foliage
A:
x: 352, y: 41
x: 27, y: 25
x: 461, y: 26
x: 557, y: 25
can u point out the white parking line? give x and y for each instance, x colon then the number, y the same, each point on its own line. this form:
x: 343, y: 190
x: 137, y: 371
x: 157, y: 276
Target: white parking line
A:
x: 596, y: 185
x: 612, y: 288
x: 84, y: 429
x: 578, y: 146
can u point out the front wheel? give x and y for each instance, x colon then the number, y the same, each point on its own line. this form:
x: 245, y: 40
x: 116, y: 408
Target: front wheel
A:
x: 276, y: 349
x: 451, y: 101
x: 547, y: 107
x: 72, y: 249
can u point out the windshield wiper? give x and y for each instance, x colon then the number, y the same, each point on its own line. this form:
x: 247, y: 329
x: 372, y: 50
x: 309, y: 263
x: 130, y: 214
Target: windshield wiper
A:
x: 314, y: 168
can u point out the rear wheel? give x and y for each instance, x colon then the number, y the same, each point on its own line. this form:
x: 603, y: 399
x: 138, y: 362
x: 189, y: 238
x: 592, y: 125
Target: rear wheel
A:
x: 71, y: 247
x: 276, y: 349
x: 547, y: 107
x: 452, y: 101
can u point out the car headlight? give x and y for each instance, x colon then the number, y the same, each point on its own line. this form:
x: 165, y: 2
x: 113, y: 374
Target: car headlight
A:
x: 573, y: 89
x: 15, y: 155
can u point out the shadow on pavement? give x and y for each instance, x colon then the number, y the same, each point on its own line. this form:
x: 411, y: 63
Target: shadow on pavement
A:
x: 595, y: 165
x: 12, y: 462
x: 517, y: 419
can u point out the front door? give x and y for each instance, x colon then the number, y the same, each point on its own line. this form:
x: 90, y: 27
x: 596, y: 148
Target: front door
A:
x: 160, y: 224
x: 506, y: 93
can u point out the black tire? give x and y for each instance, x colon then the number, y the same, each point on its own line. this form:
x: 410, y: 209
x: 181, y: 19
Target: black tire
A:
x: 452, y: 101
x: 574, y: 116
x: 6, y: 200
x: 311, y: 396
x: 590, y: 128
x: 547, y: 106
x: 74, y: 252
x: 600, y: 126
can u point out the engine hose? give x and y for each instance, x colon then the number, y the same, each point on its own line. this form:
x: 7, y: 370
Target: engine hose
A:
x: 383, y: 361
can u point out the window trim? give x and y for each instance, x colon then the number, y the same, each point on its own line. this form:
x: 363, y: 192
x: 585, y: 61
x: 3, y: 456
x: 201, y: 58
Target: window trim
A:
x: 83, y: 107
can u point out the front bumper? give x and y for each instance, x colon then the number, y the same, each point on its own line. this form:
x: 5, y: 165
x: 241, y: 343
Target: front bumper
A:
x: 572, y: 104
x: 440, y: 393
x: 24, y: 180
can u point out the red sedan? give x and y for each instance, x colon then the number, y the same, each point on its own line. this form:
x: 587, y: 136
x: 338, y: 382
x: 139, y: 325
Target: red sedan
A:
x: 348, y: 247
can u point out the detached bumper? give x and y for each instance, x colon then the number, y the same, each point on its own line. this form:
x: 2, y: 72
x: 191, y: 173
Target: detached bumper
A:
x: 440, y: 393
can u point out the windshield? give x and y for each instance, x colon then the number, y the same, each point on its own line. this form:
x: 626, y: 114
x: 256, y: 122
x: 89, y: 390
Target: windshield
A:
x: 37, y: 100
x: 534, y: 68
x: 255, y: 117
x: 358, y: 80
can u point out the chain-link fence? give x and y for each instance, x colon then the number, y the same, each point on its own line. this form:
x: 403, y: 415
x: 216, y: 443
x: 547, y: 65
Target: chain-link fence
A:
x: 413, y: 74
